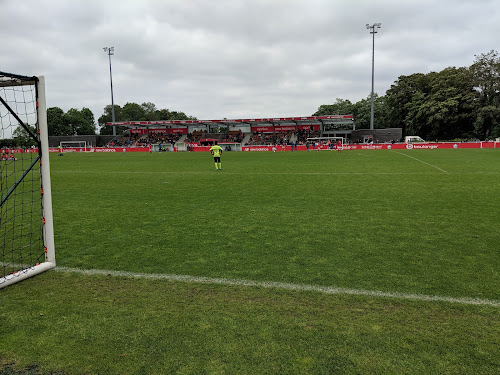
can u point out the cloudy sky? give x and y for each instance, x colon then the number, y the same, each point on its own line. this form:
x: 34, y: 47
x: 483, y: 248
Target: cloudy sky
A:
x: 216, y: 59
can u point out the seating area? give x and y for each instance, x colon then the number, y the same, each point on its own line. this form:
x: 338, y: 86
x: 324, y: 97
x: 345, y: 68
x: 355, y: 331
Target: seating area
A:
x: 123, y: 141
x: 270, y: 139
x: 203, y: 138
x: 158, y: 138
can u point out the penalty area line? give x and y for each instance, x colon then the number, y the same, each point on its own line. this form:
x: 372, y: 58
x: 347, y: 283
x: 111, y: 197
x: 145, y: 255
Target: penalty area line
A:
x: 421, y: 161
x: 286, y: 286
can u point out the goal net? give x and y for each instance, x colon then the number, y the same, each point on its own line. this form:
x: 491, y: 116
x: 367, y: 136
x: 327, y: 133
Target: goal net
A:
x: 26, y: 229
x: 71, y: 145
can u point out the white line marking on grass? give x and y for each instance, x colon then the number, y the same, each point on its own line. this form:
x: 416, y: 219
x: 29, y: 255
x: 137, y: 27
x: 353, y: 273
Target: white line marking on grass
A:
x: 264, y: 173
x: 421, y: 161
x: 286, y: 286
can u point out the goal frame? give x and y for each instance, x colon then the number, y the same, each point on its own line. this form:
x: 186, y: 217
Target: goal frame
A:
x: 27, y: 271
x: 84, y: 147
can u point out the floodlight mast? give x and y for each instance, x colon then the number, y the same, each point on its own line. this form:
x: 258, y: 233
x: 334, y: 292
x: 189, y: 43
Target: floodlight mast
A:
x: 373, y: 30
x: 111, y: 51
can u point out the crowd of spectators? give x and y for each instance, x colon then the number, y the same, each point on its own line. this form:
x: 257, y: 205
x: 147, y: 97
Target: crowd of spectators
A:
x: 194, y: 137
x: 234, y: 136
x: 123, y: 141
x: 259, y: 138
x: 158, y: 138
x: 237, y: 136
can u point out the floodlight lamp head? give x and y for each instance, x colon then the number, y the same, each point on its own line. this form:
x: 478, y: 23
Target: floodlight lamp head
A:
x: 377, y: 24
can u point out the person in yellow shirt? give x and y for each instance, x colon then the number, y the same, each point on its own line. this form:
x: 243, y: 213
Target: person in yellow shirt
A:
x: 216, y: 151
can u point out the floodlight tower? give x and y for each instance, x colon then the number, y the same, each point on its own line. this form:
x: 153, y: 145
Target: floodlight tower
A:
x: 111, y: 51
x: 373, y: 30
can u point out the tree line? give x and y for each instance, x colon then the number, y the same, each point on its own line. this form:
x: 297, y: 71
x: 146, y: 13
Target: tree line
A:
x: 451, y: 104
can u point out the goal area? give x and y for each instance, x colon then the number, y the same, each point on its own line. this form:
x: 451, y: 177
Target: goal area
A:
x: 26, y: 226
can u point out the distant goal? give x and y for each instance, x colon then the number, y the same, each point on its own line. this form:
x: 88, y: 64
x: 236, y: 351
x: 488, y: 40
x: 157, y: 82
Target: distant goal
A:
x: 72, y: 145
x: 333, y: 141
x: 26, y: 229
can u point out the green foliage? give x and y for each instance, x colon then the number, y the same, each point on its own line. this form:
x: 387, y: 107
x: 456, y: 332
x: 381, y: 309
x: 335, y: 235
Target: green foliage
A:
x: 23, y: 138
x: 453, y: 103
x: 73, y: 122
x: 56, y: 122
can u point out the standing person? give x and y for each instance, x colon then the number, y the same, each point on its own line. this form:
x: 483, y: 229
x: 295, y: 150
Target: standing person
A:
x: 216, y: 151
x: 339, y: 146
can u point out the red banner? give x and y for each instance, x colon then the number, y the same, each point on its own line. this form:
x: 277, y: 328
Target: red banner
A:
x: 285, y: 128
x: 177, y: 131
x: 308, y: 127
x: 137, y: 131
x: 262, y: 129
x: 101, y: 149
x: 158, y: 131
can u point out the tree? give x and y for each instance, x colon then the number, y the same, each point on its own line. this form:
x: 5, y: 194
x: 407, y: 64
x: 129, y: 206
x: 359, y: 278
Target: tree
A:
x: 107, y: 117
x: 88, y: 126
x: 150, y: 112
x: 400, y: 100
x: 56, y: 123
x: 81, y: 122
x: 22, y: 137
x: 340, y: 107
x: 486, y: 78
x: 133, y: 112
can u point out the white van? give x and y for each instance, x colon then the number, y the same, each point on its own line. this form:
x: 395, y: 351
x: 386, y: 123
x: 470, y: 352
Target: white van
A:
x: 413, y: 138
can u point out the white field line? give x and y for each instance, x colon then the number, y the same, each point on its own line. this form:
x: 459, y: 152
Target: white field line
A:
x: 421, y: 161
x: 286, y: 286
x: 261, y: 173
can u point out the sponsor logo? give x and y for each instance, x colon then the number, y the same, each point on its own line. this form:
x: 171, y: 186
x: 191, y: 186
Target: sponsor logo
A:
x: 256, y: 149
x: 422, y: 146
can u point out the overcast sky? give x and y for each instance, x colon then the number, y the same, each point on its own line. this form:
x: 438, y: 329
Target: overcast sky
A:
x: 216, y: 59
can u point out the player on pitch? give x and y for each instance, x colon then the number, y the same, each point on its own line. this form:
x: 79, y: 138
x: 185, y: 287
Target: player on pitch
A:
x: 216, y: 151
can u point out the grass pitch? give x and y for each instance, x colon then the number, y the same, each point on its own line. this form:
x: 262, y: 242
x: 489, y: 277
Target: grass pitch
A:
x: 413, y: 222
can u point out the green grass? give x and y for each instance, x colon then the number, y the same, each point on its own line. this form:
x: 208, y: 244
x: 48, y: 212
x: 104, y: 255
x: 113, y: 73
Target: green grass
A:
x: 418, y: 221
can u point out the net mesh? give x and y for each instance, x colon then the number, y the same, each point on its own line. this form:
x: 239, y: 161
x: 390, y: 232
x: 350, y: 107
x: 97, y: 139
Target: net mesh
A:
x: 21, y: 210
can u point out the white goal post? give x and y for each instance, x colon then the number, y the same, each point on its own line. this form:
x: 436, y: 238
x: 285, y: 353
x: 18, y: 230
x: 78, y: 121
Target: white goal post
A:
x: 26, y: 221
x: 73, y: 144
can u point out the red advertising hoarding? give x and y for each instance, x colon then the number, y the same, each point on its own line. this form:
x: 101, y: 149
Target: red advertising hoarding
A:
x: 371, y: 146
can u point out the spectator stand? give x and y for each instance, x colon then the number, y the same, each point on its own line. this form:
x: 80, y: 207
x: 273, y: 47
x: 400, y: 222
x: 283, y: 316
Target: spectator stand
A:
x: 236, y: 133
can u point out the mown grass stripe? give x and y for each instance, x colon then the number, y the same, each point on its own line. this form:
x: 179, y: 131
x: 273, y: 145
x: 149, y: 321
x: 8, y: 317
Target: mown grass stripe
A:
x: 286, y: 286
